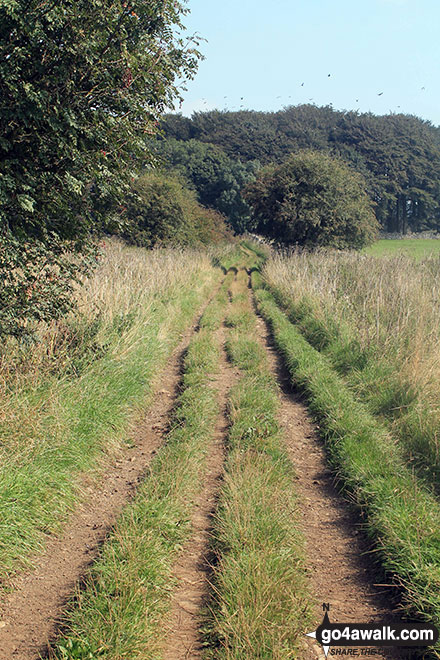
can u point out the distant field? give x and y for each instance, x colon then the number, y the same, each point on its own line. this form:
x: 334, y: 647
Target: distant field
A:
x: 416, y: 247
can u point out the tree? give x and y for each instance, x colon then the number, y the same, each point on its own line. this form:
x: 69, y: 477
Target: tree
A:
x: 399, y: 155
x: 217, y: 178
x: 313, y: 200
x: 82, y: 85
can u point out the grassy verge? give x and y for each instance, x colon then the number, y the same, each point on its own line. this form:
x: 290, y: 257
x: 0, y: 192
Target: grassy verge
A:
x: 401, y: 518
x: 259, y: 607
x: 56, y: 422
x: 376, y: 320
x: 122, y: 609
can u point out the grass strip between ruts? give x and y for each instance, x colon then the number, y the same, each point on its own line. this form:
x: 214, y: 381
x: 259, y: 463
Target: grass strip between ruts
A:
x: 402, y: 518
x: 121, y: 611
x: 258, y: 607
x: 375, y: 380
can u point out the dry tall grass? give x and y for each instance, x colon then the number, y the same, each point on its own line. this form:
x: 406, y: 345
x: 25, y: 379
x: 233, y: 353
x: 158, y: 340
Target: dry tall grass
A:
x: 379, y: 318
x: 121, y: 290
x: 390, y: 305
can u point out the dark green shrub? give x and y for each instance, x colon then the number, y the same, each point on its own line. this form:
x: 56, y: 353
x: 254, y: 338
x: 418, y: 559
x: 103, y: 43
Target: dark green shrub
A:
x: 162, y: 211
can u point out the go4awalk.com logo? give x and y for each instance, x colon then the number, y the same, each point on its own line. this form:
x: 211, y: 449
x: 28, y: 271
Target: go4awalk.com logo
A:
x: 381, y: 633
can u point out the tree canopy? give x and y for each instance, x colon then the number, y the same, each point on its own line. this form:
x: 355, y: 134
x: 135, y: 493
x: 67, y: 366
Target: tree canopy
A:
x: 162, y: 211
x: 399, y: 155
x: 82, y: 87
x: 312, y: 200
x: 217, y: 178
x: 81, y: 84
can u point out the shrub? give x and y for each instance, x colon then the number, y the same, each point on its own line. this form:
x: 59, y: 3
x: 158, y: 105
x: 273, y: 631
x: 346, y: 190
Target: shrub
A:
x: 162, y: 211
x: 313, y: 200
x: 37, y: 281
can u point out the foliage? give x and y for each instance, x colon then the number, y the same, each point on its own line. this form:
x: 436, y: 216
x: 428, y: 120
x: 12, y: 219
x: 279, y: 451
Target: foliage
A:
x: 37, y: 281
x: 161, y: 210
x: 217, y: 178
x: 82, y: 85
x: 312, y: 200
x: 399, y: 155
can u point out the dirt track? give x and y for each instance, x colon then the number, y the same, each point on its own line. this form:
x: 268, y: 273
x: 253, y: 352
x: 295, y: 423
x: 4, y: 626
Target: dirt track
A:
x: 193, y: 567
x: 29, y: 616
x: 339, y: 570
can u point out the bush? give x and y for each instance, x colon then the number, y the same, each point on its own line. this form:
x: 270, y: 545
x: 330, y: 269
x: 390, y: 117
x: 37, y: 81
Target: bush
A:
x: 161, y: 211
x: 37, y: 281
x: 313, y: 200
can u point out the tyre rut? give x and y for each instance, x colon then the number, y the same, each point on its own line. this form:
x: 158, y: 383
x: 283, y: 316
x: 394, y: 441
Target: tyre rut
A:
x: 193, y: 569
x: 339, y: 568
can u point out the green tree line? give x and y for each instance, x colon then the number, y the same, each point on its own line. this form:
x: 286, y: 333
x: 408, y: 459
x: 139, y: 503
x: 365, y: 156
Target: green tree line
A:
x: 398, y: 155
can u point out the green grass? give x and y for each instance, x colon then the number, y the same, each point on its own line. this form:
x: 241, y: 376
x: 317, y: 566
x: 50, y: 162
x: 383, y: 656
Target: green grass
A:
x: 229, y: 260
x: 415, y: 247
x: 402, y: 519
x: 121, y: 611
x: 377, y: 320
x: 254, y: 254
x: 259, y: 607
x: 61, y: 426
x: 375, y: 380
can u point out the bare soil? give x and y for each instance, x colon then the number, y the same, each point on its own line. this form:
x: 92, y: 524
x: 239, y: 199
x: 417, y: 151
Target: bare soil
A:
x: 193, y: 569
x: 340, y: 569
x: 31, y: 613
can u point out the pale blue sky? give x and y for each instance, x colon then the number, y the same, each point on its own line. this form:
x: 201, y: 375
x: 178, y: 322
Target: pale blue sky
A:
x: 264, y: 50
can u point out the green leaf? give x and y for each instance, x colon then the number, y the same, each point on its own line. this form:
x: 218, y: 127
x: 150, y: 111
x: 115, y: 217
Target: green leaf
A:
x: 26, y: 202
